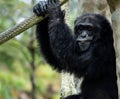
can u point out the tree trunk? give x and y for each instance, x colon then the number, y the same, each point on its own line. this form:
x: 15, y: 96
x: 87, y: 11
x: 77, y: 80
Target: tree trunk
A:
x: 94, y: 6
x: 115, y: 11
x: 67, y: 83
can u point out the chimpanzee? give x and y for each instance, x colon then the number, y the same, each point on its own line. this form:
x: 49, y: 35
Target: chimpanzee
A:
x: 89, y: 53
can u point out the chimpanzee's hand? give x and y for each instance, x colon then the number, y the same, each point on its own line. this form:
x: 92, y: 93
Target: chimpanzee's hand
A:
x: 54, y: 10
x: 40, y: 8
x: 51, y: 7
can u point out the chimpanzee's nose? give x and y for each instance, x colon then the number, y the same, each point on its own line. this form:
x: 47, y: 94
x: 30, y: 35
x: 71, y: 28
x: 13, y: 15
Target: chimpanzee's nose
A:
x: 83, y: 35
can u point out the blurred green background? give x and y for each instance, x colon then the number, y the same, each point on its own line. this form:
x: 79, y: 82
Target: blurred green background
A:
x: 23, y: 72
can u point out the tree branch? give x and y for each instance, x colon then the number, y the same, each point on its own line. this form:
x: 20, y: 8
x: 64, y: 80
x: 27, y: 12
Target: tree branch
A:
x: 21, y: 27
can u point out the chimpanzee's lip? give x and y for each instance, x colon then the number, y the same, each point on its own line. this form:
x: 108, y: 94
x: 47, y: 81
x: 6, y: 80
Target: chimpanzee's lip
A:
x: 84, y: 45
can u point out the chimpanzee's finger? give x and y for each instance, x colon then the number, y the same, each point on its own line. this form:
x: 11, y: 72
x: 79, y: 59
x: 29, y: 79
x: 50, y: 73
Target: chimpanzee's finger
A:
x: 37, y: 9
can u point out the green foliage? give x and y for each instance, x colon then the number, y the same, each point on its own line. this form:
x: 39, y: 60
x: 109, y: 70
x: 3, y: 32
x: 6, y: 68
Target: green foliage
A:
x: 7, y: 58
x: 16, y: 58
x: 9, y: 11
x: 9, y: 84
x: 10, y: 52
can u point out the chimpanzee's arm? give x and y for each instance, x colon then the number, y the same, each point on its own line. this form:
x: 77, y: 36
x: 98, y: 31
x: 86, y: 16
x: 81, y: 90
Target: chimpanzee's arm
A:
x: 56, y: 40
x: 42, y: 35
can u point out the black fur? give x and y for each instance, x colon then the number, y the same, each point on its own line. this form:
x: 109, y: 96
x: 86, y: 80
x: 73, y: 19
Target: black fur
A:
x: 97, y: 65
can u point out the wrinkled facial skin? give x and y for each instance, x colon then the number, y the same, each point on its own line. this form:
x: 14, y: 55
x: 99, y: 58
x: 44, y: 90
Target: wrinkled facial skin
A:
x: 85, y: 32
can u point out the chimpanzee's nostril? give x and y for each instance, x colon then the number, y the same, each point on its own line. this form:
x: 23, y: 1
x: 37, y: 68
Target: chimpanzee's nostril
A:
x: 83, y: 35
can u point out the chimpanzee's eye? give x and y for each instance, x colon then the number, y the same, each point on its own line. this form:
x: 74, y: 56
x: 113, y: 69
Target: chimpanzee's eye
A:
x: 89, y: 28
x: 80, y: 27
